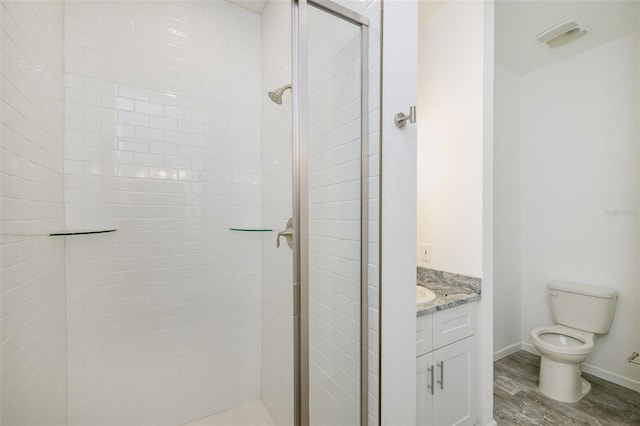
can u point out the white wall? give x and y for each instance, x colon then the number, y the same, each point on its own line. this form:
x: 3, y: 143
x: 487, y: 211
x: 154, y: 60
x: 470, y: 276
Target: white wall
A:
x: 398, y: 219
x: 277, y: 263
x: 507, y: 286
x: 450, y: 95
x: 579, y: 162
x: 32, y: 289
x: 163, y: 143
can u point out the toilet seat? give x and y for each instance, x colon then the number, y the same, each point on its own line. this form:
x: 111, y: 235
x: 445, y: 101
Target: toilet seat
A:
x: 570, y: 341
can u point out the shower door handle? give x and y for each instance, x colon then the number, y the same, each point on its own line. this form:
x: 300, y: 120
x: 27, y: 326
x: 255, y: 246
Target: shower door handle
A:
x: 287, y: 234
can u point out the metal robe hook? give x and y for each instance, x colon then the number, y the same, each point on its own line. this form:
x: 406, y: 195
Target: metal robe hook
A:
x: 401, y: 118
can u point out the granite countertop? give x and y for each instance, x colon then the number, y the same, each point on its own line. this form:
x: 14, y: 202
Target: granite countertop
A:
x: 450, y: 289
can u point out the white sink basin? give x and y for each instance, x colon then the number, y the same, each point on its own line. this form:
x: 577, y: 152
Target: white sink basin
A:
x: 424, y: 295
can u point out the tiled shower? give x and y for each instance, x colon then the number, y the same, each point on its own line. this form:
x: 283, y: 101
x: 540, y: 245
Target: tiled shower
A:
x: 33, y: 300
x: 151, y: 118
x: 162, y: 142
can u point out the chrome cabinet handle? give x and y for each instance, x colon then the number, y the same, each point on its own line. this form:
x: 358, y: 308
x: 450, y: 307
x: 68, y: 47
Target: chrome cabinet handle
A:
x: 401, y: 118
x: 441, y: 381
x: 432, y: 387
x: 287, y: 234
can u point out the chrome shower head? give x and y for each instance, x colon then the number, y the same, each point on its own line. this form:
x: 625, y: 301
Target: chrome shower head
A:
x: 276, y: 95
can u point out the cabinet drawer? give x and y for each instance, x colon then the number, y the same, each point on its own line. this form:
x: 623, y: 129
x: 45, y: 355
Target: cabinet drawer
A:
x: 451, y: 325
x: 424, y: 335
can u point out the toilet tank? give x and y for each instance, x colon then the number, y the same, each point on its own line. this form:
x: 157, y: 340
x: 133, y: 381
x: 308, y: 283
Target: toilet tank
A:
x: 585, y: 307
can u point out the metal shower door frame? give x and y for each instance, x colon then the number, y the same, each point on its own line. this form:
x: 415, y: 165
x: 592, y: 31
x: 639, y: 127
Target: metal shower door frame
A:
x: 300, y: 104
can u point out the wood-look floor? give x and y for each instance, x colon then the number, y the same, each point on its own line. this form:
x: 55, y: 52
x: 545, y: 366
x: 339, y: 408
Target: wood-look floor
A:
x: 518, y: 402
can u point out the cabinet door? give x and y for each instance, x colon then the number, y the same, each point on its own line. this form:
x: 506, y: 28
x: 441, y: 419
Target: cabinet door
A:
x: 425, y: 383
x: 455, y: 374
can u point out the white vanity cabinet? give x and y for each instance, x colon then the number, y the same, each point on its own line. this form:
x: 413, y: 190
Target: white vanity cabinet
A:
x: 446, y: 367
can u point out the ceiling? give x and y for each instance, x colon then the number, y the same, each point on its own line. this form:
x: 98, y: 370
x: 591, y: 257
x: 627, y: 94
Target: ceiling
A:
x: 518, y: 23
x: 253, y: 5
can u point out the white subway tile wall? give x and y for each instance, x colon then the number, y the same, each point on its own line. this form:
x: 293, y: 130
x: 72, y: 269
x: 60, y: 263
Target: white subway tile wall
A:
x: 32, y: 288
x: 163, y: 130
x: 167, y: 319
x: 277, y: 263
x: 372, y: 10
x: 277, y: 380
x: 334, y: 138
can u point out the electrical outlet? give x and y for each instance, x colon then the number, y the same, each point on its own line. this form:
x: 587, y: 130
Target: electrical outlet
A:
x: 426, y: 253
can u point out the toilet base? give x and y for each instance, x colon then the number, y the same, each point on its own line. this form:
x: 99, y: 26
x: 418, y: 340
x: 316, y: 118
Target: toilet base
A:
x: 562, y: 382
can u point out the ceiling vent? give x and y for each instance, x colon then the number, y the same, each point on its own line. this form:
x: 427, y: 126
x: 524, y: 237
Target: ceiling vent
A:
x: 563, y: 33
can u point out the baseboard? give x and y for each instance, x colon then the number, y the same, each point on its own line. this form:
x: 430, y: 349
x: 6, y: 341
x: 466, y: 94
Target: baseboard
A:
x: 612, y: 377
x: 602, y: 373
x: 505, y: 352
x: 529, y: 348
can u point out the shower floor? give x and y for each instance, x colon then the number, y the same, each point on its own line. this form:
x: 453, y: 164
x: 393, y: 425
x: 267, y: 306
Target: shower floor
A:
x: 253, y: 413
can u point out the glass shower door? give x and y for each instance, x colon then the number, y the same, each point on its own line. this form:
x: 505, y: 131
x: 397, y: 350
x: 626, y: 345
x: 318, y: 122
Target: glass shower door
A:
x: 331, y: 213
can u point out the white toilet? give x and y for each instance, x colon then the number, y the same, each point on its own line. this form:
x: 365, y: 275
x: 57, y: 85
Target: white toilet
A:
x: 579, y: 311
